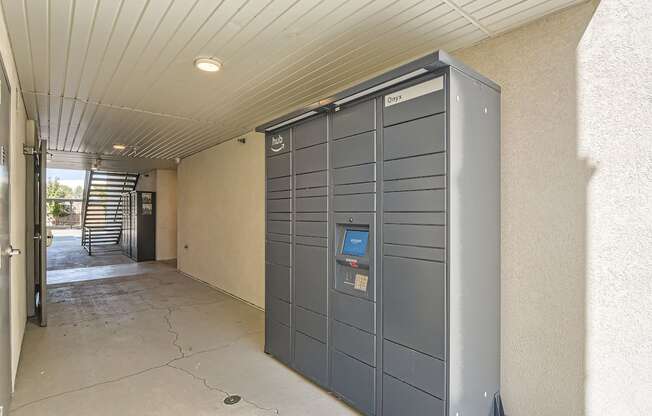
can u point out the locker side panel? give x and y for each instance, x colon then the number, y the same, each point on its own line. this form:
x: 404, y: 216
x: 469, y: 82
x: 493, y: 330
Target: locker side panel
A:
x: 474, y: 239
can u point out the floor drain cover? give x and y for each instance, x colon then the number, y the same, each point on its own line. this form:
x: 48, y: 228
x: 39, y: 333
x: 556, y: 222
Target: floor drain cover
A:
x: 232, y: 400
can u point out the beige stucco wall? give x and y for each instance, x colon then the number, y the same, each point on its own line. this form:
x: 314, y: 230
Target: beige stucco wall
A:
x: 221, y: 217
x: 17, y: 204
x: 576, y: 209
x: 166, y: 214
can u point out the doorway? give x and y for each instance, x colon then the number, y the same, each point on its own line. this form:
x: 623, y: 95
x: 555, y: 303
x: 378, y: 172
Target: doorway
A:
x: 67, y: 257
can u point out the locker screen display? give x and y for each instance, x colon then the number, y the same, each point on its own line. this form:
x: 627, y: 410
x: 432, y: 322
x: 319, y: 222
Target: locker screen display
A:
x: 355, y: 243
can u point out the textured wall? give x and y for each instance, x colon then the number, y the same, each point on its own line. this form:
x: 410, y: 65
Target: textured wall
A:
x: 221, y: 217
x: 166, y: 214
x: 576, y: 209
x: 17, y: 182
x: 614, y: 76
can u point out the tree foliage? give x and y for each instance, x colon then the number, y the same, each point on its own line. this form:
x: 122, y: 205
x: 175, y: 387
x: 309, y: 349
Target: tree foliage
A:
x: 56, y: 189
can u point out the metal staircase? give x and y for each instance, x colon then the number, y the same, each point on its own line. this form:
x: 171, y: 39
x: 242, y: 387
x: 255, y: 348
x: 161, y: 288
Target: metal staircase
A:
x: 101, y: 208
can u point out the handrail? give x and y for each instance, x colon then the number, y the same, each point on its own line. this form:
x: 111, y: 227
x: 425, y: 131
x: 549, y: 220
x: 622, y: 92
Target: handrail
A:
x: 87, y: 188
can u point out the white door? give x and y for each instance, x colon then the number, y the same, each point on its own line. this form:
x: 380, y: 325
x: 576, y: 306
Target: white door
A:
x: 5, y: 248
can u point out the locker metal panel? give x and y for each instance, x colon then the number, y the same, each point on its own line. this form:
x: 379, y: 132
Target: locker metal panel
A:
x: 279, y: 184
x: 278, y: 341
x: 354, y: 174
x: 310, y: 159
x: 353, y: 119
x: 354, y: 342
x: 279, y: 253
x: 308, y: 192
x: 415, y: 235
x: 279, y: 195
x: 413, y: 167
x: 354, y: 311
x: 355, y: 150
x: 474, y: 235
x: 354, y: 381
x: 353, y: 203
x: 310, y: 277
x: 281, y: 238
x: 279, y: 227
x: 310, y: 323
x: 311, y: 216
x: 277, y: 143
x: 415, y: 184
x: 414, y: 312
x: 279, y: 205
x: 355, y: 188
x: 420, y: 253
x: 311, y: 180
x: 432, y: 103
x: 426, y: 218
x: 279, y: 310
x: 432, y: 200
x: 311, y: 241
x: 278, y: 166
x: 311, y: 228
x: 309, y: 132
x: 311, y: 358
x: 419, y: 370
x: 279, y: 216
x: 312, y: 204
x: 278, y: 281
x: 401, y: 399
x: 414, y: 138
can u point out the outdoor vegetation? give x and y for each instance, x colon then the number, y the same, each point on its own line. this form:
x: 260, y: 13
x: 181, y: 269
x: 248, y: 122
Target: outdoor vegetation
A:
x: 60, y: 210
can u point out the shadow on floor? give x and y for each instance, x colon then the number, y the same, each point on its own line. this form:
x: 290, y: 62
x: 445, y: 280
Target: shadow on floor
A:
x: 66, y: 252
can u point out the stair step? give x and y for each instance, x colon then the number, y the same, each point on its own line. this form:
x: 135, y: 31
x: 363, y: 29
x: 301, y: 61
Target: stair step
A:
x: 102, y: 243
x: 112, y: 181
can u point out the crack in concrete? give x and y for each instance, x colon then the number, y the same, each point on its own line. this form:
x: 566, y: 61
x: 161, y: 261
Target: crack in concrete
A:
x: 171, y: 330
x: 175, y: 341
x: 224, y: 392
x: 169, y: 364
x: 63, y: 393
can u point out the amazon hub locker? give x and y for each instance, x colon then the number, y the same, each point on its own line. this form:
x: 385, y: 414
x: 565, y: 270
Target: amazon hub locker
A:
x: 383, y: 241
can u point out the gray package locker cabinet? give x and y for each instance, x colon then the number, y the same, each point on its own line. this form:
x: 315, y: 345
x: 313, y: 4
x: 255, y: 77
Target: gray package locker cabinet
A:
x: 383, y: 241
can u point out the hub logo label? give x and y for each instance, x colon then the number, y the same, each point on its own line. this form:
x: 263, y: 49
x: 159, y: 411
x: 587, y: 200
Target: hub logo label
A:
x: 277, y: 144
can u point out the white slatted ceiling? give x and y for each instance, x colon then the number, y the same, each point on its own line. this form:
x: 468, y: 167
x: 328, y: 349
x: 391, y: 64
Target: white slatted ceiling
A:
x: 99, y: 72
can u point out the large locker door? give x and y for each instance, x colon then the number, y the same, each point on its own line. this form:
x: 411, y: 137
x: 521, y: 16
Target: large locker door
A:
x: 278, y: 256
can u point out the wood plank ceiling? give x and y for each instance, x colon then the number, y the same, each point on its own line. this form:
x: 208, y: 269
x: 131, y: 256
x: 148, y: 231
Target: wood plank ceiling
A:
x: 98, y: 72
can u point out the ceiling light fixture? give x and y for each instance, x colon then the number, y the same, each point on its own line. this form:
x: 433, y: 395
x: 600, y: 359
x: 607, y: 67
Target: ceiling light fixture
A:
x: 118, y: 146
x: 208, y: 64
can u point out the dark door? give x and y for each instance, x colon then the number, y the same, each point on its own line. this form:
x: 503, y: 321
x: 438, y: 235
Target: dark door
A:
x: 40, y: 235
x: 5, y: 247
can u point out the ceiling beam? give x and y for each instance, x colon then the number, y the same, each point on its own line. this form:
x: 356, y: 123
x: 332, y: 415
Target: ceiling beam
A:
x: 468, y: 17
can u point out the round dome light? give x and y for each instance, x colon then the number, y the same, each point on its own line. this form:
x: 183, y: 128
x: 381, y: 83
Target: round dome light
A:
x: 208, y: 64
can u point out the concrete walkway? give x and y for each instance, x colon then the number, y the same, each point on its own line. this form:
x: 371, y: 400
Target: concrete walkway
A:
x: 156, y: 344
x: 66, y: 252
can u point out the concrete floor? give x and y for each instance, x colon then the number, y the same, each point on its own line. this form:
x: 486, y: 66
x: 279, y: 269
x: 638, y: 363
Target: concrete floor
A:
x: 81, y: 274
x: 156, y: 344
x: 66, y: 252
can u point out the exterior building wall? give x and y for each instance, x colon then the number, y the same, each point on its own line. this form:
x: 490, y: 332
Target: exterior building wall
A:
x: 576, y: 209
x: 221, y: 202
